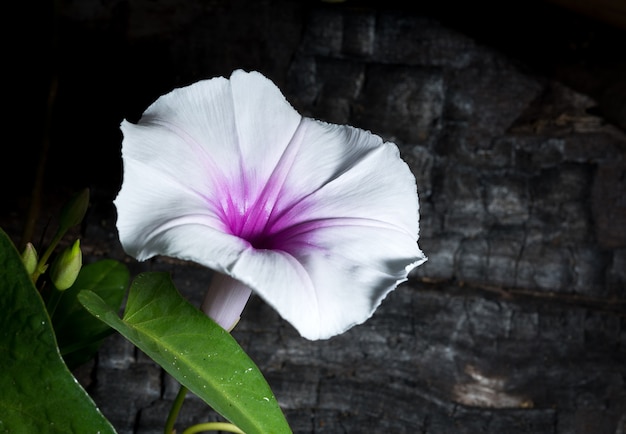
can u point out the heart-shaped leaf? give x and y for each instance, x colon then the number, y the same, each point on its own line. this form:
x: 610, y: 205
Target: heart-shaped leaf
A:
x: 196, y: 351
x: 39, y: 393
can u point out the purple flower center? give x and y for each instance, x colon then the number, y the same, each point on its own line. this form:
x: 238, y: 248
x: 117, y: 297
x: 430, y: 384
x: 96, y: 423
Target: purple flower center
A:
x: 270, y: 217
x: 254, y: 225
x: 261, y: 221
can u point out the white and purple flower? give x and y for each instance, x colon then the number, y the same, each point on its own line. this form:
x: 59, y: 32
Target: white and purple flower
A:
x: 320, y: 220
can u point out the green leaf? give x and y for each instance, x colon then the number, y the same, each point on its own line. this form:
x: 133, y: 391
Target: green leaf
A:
x: 39, y: 393
x: 79, y: 333
x: 196, y: 351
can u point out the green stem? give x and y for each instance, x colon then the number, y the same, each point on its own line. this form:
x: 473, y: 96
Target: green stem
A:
x: 213, y: 426
x: 37, y: 189
x: 176, y: 405
x: 41, y: 266
x: 53, y: 301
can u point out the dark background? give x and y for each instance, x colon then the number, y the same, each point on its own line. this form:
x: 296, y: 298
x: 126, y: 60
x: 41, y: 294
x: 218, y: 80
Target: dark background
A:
x: 107, y: 69
x: 512, y: 117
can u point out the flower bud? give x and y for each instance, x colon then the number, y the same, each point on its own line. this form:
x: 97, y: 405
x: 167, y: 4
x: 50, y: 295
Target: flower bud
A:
x: 74, y: 211
x: 66, y: 267
x: 29, y: 258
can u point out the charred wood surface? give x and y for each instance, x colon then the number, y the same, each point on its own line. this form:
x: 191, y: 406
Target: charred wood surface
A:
x: 515, y: 133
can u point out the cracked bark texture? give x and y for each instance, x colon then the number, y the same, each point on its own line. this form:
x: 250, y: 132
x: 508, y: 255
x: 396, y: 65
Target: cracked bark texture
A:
x: 516, y: 324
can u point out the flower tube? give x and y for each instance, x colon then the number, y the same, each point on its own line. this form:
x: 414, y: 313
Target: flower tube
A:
x: 319, y: 220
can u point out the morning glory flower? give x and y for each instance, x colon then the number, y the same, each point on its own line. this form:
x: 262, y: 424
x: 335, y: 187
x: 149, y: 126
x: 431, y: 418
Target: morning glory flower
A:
x: 319, y: 220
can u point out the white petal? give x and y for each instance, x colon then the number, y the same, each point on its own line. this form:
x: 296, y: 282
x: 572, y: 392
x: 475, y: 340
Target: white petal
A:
x: 193, y: 122
x: 325, y: 290
x: 340, y: 204
x: 284, y: 284
x: 349, y: 174
x: 242, y: 125
x: 140, y: 230
x: 266, y: 123
x: 352, y: 237
x: 193, y: 144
